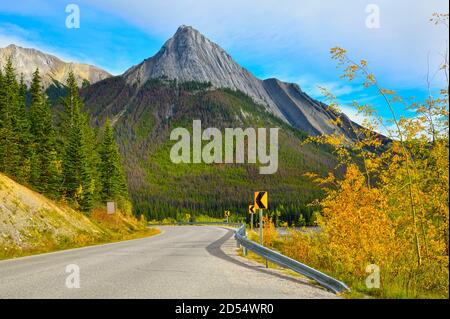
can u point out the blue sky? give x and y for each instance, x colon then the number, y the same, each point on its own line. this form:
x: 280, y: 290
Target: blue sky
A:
x: 287, y: 39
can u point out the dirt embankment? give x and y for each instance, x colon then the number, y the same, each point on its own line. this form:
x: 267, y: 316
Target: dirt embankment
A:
x: 31, y: 223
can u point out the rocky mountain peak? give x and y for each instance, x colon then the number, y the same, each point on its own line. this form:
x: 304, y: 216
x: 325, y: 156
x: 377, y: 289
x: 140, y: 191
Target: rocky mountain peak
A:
x: 190, y: 56
x: 187, y: 31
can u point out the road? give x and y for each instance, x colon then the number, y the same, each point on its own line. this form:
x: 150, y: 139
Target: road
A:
x: 181, y: 262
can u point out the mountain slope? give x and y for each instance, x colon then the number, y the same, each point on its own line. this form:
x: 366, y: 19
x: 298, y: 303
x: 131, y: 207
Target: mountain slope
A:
x: 144, y: 117
x: 191, y: 78
x: 51, y: 68
x: 189, y: 56
x: 305, y: 113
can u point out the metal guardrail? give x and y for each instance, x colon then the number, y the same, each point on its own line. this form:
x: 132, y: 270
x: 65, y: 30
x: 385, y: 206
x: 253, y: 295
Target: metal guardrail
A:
x: 328, y: 282
x: 241, y: 238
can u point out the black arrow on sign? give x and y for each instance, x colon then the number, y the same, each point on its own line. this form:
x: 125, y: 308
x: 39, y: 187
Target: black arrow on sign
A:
x: 258, y: 200
x: 252, y: 209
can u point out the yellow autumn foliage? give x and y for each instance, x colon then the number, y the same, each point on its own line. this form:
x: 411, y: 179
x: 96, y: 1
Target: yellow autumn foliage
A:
x: 390, y: 206
x: 269, y: 231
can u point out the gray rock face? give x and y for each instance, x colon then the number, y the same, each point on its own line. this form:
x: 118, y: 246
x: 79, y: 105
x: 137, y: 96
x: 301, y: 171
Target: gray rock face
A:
x: 51, y: 68
x: 302, y: 111
x: 189, y: 56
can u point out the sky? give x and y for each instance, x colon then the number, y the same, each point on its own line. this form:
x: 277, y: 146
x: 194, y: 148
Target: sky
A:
x: 288, y: 39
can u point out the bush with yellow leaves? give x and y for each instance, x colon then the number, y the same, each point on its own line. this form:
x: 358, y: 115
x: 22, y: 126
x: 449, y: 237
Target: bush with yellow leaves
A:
x: 270, y: 234
x: 391, y: 206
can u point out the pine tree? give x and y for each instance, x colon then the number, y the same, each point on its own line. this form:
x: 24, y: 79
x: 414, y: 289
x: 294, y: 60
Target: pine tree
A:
x: 111, y: 171
x: 22, y: 133
x: 9, y: 151
x: 3, y: 124
x: 45, y: 167
x: 79, y: 184
x: 71, y: 103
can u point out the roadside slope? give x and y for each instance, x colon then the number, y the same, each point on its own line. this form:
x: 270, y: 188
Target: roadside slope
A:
x: 31, y: 223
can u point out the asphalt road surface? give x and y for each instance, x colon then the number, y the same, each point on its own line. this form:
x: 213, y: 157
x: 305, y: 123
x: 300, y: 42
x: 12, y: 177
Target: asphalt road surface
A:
x: 182, y: 262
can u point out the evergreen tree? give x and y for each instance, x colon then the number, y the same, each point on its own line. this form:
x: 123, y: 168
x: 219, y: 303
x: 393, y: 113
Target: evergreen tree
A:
x: 45, y: 167
x: 9, y: 151
x: 111, y: 171
x: 22, y: 132
x: 4, y: 127
x: 79, y: 184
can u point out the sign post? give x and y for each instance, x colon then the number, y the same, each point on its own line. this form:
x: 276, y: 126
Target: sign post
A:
x: 227, y: 215
x: 261, y: 226
x: 261, y: 202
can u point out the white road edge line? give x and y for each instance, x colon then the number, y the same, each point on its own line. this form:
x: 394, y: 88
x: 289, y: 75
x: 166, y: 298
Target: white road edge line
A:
x: 78, y: 248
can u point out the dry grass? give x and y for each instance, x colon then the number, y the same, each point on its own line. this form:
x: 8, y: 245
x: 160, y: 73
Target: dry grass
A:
x: 31, y: 224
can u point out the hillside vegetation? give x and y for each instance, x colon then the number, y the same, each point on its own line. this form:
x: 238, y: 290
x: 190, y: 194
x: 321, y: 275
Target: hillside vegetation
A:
x: 57, y: 153
x: 31, y: 223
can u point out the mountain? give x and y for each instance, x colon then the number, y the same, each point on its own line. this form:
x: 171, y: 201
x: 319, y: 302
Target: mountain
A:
x: 190, y: 56
x: 191, y: 78
x: 51, y: 68
x: 143, y: 119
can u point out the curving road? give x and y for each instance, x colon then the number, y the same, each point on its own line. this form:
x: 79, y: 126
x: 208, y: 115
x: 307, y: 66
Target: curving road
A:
x: 182, y: 262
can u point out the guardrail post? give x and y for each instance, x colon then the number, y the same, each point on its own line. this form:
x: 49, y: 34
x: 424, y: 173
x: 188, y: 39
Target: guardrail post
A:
x: 244, y: 249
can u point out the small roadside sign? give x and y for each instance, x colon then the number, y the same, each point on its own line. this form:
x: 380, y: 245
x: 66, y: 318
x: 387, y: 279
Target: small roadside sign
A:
x: 251, y: 209
x: 227, y: 215
x: 111, y: 208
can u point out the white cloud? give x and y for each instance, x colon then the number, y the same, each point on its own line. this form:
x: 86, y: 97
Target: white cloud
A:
x: 312, y: 85
x: 291, y: 37
x: 352, y: 113
x: 6, y: 40
x: 13, y: 34
x: 303, y: 28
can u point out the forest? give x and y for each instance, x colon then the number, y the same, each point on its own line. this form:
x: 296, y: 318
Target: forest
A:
x: 58, y: 153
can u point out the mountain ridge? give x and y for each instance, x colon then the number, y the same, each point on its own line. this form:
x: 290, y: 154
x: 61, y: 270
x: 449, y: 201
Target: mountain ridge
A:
x: 190, y: 56
x: 51, y: 68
